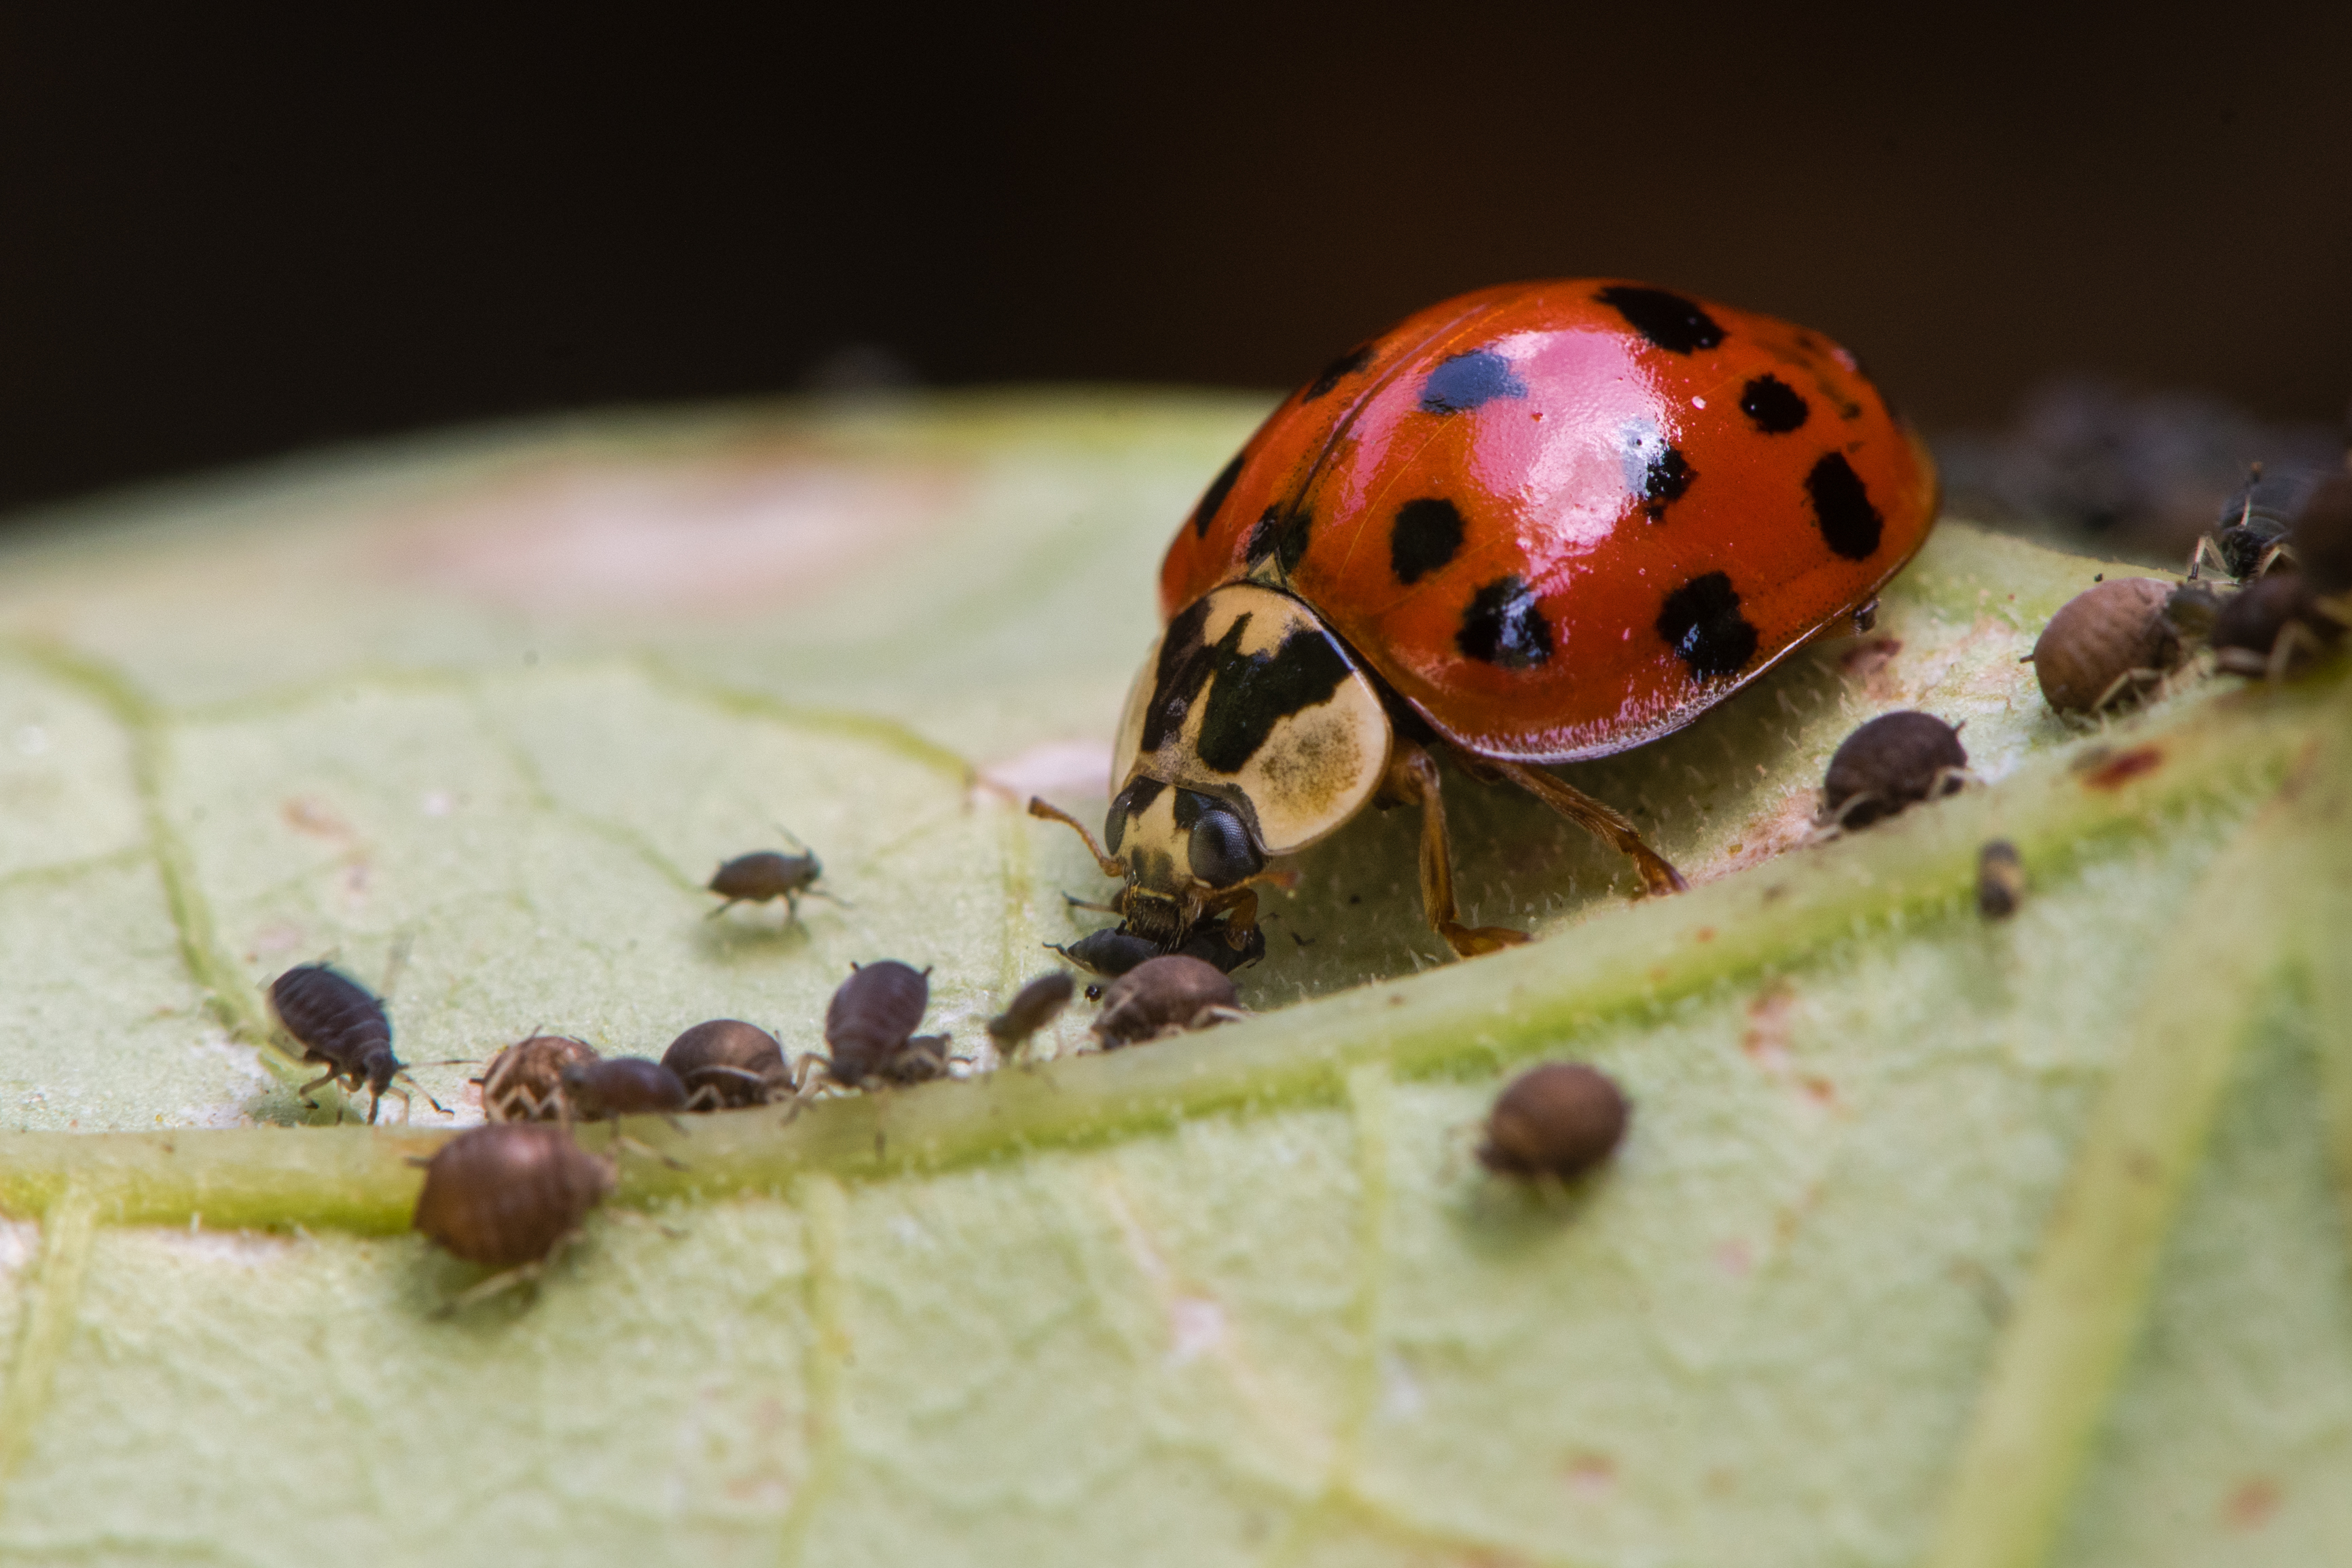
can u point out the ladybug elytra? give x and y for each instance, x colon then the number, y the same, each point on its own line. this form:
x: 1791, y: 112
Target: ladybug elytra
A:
x: 1536, y: 523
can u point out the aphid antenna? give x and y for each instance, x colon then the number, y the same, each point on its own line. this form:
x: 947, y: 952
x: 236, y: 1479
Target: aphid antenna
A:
x: 799, y: 843
x: 1074, y: 902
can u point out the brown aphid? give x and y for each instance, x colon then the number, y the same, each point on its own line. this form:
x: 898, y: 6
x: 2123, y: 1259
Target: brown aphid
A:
x: 869, y: 1030
x: 726, y: 1063
x: 2274, y: 626
x: 509, y: 1196
x: 341, y: 1026
x: 1034, y: 1007
x: 1165, y: 996
x: 2001, y: 880
x: 614, y: 1087
x: 525, y: 1081
x: 1559, y: 1120
x: 1895, y: 760
x: 2109, y: 642
x: 764, y: 876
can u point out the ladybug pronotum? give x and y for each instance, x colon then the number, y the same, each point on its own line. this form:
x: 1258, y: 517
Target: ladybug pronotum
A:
x: 1533, y: 525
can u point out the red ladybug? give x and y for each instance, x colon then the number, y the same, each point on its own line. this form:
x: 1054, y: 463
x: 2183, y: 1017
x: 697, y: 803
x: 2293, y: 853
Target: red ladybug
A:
x: 1535, y: 524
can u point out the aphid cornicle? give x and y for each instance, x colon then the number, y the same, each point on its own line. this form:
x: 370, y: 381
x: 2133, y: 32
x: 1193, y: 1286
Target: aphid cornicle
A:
x: 1164, y: 995
x: 869, y: 1030
x: 1033, y: 1007
x: 765, y: 876
x: 1559, y: 1120
x: 1895, y: 760
x: 726, y: 1063
x: 1537, y: 524
x: 507, y: 1197
x: 341, y: 1026
x: 525, y: 1081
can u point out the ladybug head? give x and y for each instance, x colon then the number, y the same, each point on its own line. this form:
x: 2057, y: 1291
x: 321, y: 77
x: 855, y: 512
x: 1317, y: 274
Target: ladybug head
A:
x: 1250, y: 733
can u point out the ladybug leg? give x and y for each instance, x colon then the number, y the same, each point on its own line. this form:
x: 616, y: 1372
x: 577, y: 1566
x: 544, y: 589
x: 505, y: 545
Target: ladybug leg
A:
x: 1596, y: 819
x: 1412, y: 780
x: 1111, y: 864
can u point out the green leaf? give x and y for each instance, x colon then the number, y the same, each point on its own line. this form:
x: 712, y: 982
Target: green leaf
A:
x: 1936, y: 1240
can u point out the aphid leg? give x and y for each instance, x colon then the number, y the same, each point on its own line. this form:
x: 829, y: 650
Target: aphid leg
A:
x: 827, y: 897
x: 1412, y: 780
x: 1111, y: 864
x: 638, y: 1147
x: 722, y: 909
x: 421, y: 1090
x: 305, y: 1090
x: 1603, y: 822
x: 1074, y: 902
x: 802, y: 1077
x: 503, y: 1281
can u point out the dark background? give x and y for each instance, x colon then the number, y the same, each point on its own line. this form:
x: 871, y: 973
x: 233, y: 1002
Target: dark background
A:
x: 228, y: 236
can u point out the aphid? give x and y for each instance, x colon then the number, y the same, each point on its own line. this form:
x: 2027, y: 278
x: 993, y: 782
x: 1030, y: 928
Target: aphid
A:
x: 1895, y: 760
x: 2252, y: 531
x: 2001, y: 880
x: 617, y: 1086
x: 341, y: 1025
x: 1533, y: 525
x: 1113, y: 950
x: 726, y: 1063
x: 1559, y: 1120
x: 509, y: 1196
x: 1164, y: 995
x: 525, y: 1081
x: 2274, y: 627
x: 766, y: 875
x: 869, y: 1030
x: 1034, y: 1007
x: 2110, y: 641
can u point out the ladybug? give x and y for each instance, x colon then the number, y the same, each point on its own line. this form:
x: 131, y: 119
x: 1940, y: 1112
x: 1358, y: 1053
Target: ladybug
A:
x: 1536, y: 523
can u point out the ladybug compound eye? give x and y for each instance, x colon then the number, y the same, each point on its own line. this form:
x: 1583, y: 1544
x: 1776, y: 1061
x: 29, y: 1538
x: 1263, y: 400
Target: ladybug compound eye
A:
x: 1220, y: 851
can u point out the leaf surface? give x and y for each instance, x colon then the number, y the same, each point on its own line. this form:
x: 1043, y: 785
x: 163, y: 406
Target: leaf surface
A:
x: 480, y: 715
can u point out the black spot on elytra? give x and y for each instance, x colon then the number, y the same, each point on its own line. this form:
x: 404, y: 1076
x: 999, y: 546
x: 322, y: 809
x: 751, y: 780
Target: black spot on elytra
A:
x: 1702, y: 623
x: 1213, y: 498
x: 1280, y: 532
x: 1842, y: 508
x: 1130, y: 802
x: 1462, y: 382
x: 1669, y: 475
x: 1251, y: 692
x: 1504, y: 628
x: 1425, y: 536
x: 1184, y: 664
x: 1772, y: 406
x: 1673, y: 323
x: 1337, y: 370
